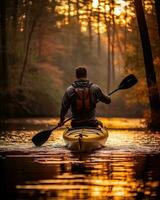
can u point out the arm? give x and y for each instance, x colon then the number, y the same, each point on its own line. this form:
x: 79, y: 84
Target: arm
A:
x: 65, y: 106
x: 101, y: 97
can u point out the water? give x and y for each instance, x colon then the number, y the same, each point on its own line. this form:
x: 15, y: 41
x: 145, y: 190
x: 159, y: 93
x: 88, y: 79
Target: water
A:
x: 127, y: 168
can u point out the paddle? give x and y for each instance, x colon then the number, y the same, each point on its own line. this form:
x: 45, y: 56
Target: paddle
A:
x: 41, y: 137
x: 126, y: 83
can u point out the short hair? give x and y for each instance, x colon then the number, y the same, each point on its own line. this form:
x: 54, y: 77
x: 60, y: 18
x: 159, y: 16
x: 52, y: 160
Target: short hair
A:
x: 81, y: 72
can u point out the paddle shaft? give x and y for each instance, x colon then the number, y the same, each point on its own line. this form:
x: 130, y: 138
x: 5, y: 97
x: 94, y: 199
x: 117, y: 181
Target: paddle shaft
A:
x: 63, y: 123
x: 113, y: 91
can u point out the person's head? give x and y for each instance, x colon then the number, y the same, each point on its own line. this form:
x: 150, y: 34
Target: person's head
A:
x: 81, y: 73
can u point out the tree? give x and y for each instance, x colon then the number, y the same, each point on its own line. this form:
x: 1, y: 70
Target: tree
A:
x: 36, y: 17
x: 3, y: 44
x: 3, y: 58
x: 154, y: 98
x: 157, y: 9
x: 15, y: 25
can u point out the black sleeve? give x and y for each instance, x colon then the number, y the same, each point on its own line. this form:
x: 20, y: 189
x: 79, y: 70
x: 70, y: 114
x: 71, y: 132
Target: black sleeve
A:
x: 65, y: 106
x: 101, y: 97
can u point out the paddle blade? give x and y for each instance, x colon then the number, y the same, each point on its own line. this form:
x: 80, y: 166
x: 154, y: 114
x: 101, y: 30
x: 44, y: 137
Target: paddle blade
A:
x: 128, y: 82
x: 41, y: 137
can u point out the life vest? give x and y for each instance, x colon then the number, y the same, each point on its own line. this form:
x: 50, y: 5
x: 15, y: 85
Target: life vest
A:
x: 82, y: 98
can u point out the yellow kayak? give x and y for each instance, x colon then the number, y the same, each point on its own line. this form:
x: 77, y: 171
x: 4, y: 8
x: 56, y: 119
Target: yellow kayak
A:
x: 85, y: 139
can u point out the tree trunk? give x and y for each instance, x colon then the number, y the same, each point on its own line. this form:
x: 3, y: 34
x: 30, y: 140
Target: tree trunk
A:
x: 40, y: 40
x: 27, y: 52
x: 78, y: 35
x: 3, y: 60
x: 154, y: 98
x: 113, y: 56
x: 125, y: 40
x: 77, y: 7
x: 90, y: 27
x: 107, y: 24
x: 69, y: 12
x: 14, y: 29
x: 14, y: 14
x: 34, y: 23
x: 113, y: 42
x: 109, y: 58
x: 3, y: 50
x: 26, y: 22
x: 157, y: 9
x: 137, y: 50
x: 98, y: 31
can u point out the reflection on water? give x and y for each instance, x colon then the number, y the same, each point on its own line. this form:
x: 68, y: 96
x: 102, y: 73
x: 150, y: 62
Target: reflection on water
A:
x: 127, y: 168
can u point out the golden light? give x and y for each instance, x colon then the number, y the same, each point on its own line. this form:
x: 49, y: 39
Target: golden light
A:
x: 118, y: 11
x: 122, y: 3
x: 95, y: 3
x: 107, y: 8
x: 97, y: 191
x: 21, y: 29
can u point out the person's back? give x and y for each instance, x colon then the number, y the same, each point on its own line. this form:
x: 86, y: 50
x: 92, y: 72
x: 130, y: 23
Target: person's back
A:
x: 82, y: 97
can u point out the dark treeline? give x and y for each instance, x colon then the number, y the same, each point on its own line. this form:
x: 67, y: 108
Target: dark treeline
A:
x: 41, y: 42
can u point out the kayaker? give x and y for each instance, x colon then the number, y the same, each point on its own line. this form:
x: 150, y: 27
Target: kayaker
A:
x: 82, y: 96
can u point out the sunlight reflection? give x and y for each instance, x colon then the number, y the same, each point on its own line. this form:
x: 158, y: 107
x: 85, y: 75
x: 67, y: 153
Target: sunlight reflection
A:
x: 125, y: 168
x: 124, y: 135
x: 106, y: 181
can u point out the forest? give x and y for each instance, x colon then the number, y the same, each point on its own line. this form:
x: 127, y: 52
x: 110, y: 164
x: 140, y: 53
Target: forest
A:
x: 42, y: 41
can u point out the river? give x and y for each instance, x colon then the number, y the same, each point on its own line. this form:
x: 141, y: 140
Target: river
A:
x: 128, y: 167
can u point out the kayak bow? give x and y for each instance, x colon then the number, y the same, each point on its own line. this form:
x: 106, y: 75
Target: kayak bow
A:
x: 86, y: 138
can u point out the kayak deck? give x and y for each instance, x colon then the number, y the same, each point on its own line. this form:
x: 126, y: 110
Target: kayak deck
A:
x: 86, y: 138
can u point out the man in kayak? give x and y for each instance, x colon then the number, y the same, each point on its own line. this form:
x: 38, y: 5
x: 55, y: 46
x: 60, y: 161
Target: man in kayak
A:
x: 82, y: 96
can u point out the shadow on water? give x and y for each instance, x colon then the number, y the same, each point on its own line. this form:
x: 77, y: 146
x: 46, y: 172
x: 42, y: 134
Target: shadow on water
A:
x: 127, y: 168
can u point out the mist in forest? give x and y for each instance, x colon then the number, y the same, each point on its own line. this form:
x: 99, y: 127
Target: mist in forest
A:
x: 43, y: 41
